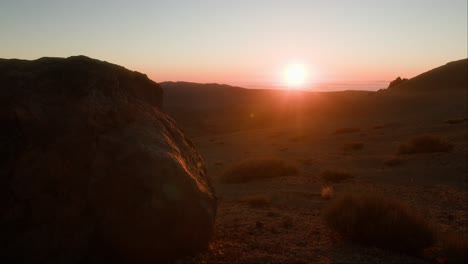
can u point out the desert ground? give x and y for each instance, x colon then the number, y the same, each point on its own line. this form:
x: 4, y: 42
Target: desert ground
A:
x: 280, y: 219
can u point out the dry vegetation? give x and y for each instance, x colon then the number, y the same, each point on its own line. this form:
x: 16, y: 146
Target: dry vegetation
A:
x: 354, y: 146
x: 375, y: 220
x: 257, y: 200
x: 425, y: 144
x: 327, y: 192
x: 455, y: 121
x: 335, y: 176
x: 346, y: 130
x: 255, y: 169
x: 393, y: 161
x: 306, y: 161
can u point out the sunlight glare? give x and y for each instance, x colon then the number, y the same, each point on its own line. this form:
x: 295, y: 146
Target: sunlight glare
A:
x: 295, y: 75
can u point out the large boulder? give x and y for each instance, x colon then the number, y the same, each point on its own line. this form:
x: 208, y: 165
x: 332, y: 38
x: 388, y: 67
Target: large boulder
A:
x: 92, y: 170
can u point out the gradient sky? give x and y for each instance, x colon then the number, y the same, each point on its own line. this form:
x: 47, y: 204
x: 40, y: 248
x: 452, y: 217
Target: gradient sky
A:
x: 243, y: 42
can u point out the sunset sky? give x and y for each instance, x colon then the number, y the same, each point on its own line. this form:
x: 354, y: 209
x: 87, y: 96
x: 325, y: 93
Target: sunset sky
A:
x: 243, y: 42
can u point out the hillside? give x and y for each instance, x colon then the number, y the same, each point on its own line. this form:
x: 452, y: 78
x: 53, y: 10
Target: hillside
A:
x: 215, y: 108
x: 451, y: 76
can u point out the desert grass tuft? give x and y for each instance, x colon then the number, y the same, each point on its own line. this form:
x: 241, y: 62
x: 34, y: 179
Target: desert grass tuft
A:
x: 393, y: 161
x: 354, y: 146
x: 375, y: 220
x: 257, y: 200
x: 455, y: 121
x: 327, y: 192
x: 425, y: 144
x: 306, y: 161
x: 346, y: 130
x: 256, y: 169
x: 335, y: 176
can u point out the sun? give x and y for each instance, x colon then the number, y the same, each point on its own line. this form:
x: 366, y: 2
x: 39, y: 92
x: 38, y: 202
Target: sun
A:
x: 295, y: 75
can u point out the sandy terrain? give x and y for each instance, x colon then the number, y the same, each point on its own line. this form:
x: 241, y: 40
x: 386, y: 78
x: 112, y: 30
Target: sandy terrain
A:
x: 290, y: 229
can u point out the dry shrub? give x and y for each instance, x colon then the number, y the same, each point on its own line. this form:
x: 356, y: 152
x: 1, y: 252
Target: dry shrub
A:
x: 425, y: 144
x: 354, y: 146
x: 300, y: 138
x: 327, y: 192
x: 346, y: 130
x: 257, y: 200
x: 306, y: 161
x: 255, y: 169
x: 455, y: 121
x: 335, y: 176
x: 376, y: 220
x: 393, y: 161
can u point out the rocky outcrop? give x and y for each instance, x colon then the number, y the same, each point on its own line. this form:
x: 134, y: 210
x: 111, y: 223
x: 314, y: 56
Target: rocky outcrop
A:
x: 90, y: 169
x: 397, y: 81
x: 450, y: 77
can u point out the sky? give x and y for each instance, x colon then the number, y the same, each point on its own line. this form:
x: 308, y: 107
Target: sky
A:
x: 244, y: 42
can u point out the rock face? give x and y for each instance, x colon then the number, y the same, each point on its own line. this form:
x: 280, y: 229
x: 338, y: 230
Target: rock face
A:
x: 91, y: 170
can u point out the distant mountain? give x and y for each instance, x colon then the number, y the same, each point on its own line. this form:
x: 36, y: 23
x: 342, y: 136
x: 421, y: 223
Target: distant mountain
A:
x: 451, y: 76
x: 218, y: 108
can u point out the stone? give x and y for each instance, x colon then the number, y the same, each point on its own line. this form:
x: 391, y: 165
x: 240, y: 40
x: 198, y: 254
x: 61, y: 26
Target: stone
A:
x: 91, y: 169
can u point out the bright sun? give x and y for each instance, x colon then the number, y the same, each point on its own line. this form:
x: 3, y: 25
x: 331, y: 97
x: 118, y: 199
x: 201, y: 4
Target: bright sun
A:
x: 295, y: 75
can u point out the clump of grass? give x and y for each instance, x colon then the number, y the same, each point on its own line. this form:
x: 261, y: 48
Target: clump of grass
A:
x: 287, y: 223
x: 335, y: 176
x: 257, y: 200
x: 346, y: 130
x: 455, y: 121
x: 256, y: 169
x: 299, y: 138
x: 375, y: 220
x: 306, y: 161
x: 425, y: 144
x: 393, y: 161
x: 354, y: 146
x: 327, y: 192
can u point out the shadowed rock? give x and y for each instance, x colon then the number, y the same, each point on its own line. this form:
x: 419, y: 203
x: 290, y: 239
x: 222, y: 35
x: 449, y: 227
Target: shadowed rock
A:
x: 90, y: 169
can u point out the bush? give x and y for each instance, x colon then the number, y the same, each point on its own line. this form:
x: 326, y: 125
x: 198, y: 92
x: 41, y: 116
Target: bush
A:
x: 346, y: 130
x: 352, y: 146
x: 455, y: 121
x: 393, y: 161
x: 425, y: 144
x: 335, y: 176
x: 257, y: 200
x: 327, y: 192
x: 375, y: 220
x: 254, y: 169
